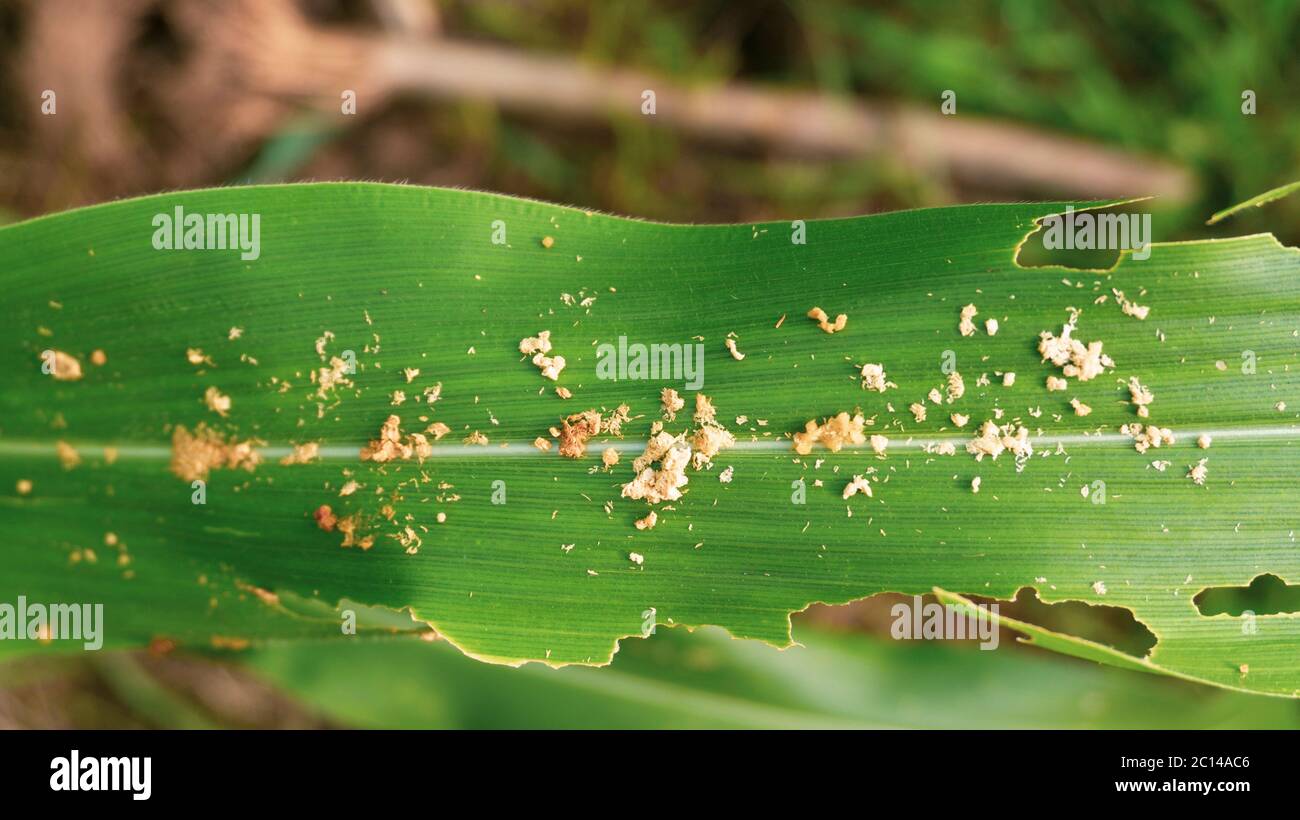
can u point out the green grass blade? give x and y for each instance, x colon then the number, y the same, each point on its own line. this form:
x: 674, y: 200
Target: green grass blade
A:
x: 1255, y: 202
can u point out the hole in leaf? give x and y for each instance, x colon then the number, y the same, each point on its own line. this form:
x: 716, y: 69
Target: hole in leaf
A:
x: 1113, y: 626
x: 1088, y: 240
x: 1110, y: 625
x: 1267, y: 594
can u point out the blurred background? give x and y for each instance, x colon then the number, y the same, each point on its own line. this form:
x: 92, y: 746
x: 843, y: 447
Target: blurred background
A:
x: 777, y: 109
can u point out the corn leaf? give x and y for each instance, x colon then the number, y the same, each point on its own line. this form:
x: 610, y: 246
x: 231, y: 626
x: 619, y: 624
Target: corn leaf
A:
x: 706, y: 680
x: 403, y: 278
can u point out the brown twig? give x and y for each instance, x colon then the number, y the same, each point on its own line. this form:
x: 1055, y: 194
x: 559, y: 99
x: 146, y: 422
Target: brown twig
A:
x: 976, y: 151
x: 253, y: 62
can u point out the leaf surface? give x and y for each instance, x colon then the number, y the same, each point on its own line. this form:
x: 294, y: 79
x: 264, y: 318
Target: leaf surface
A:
x: 409, y: 277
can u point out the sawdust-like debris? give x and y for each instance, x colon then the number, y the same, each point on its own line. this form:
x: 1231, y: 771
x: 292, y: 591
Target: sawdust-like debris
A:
x: 956, y: 386
x: 874, y: 378
x: 708, y: 441
x: 1130, y: 308
x: 704, y: 410
x: 575, y: 431
x: 325, y: 518
x: 1075, y: 359
x: 857, y: 485
x: 1147, y: 436
x: 217, y: 401
x: 324, y: 339
x: 195, y: 455
x: 350, y: 527
x: 392, y: 446
x: 665, y: 483
x: 532, y: 345
x: 992, y: 441
x: 823, y: 321
x: 68, y: 456
x: 331, y: 378
x: 832, y: 434
x: 613, y: 423
x: 302, y: 454
x: 537, y: 347
x: 1141, y: 396
x: 730, y: 344
x: 671, y: 402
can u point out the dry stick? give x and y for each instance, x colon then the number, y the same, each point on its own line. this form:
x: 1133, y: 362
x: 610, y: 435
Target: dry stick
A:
x: 268, y: 48
x: 408, y: 17
x: 975, y: 151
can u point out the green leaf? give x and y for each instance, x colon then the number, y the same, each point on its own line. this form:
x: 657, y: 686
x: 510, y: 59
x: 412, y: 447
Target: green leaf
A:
x: 410, y: 278
x: 706, y: 680
x: 1255, y: 201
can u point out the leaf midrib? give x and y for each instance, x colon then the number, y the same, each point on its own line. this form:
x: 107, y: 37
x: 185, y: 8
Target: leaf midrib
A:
x: 342, y: 452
